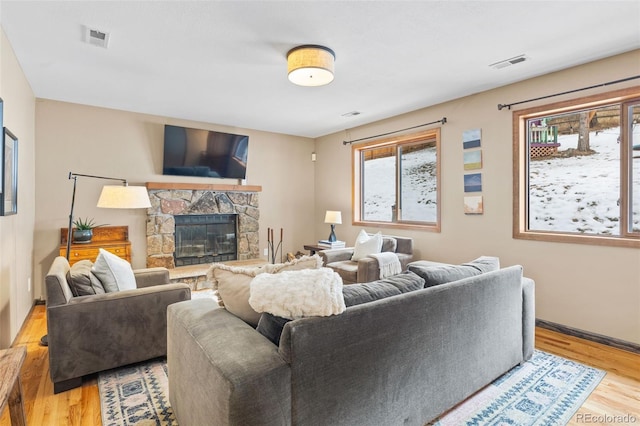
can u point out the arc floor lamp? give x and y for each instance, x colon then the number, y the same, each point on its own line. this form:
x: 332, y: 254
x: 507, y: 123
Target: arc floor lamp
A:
x: 112, y: 197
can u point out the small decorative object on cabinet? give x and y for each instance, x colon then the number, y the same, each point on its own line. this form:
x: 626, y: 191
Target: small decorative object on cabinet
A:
x: 114, y: 239
x: 83, y: 231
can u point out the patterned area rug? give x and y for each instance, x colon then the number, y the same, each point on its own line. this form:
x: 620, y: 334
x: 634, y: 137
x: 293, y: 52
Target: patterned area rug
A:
x: 136, y: 395
x: 546, y: 390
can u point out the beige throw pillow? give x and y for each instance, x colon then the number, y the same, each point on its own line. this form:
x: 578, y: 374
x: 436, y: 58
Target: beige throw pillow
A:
x: 232, y: 283
x: 304, y: 262
x: 232, y: 286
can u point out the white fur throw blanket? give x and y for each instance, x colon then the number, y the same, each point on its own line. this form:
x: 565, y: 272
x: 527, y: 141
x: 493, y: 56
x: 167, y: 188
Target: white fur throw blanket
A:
x: 388, y: 262
x: 296, y: 294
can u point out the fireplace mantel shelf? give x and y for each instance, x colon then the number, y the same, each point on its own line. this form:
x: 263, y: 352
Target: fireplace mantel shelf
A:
x: 204, y: 186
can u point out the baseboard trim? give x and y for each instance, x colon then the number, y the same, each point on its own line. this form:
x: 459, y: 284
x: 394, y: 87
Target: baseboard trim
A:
x: 594, y: 337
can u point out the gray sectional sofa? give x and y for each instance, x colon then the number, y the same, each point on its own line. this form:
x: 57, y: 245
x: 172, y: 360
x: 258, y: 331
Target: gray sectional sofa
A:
x: 401, y: 360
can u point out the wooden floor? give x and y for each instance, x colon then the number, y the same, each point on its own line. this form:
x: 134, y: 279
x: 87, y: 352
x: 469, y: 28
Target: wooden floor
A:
x: 615, y: 399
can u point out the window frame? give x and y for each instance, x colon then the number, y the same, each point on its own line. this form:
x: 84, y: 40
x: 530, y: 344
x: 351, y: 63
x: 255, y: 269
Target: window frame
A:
x: 627, y: 238
x: 357, y: 179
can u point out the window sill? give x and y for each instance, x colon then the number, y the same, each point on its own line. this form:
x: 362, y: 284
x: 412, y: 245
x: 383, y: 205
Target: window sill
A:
x: 599, y: 240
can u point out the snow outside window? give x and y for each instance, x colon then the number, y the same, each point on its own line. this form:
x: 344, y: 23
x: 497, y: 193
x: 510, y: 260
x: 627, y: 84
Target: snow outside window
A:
x: 578, y: 172
x: 397, y: 181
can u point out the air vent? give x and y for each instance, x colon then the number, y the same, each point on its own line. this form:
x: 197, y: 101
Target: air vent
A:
x: 96, y: 37
x: 508, y: 62
x: 350, y: 114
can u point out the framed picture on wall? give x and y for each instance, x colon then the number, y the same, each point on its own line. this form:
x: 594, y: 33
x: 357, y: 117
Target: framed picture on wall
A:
x: 1, y: 127
x: 472, y: 159
x: 9, y: 199
x: 473, y: 182
x: 471, y: 138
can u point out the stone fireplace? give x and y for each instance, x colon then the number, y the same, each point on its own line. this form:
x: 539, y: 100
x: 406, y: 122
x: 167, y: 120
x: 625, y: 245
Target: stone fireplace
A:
x: 174, y: 206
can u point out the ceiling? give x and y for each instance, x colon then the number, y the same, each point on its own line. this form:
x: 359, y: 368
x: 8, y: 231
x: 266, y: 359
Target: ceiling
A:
x: 224, y: 62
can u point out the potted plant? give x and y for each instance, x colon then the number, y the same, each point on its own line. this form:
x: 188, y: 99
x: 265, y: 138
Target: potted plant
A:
x: 83, y: 231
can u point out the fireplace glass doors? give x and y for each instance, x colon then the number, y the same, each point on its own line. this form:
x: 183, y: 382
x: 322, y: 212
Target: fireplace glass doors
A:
x: 205, y: 238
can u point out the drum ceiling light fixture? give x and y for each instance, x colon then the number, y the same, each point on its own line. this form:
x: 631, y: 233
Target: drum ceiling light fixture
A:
x: 310, y: 65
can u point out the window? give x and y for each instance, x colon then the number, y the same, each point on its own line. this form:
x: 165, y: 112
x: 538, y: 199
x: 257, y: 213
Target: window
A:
x: 397, y: 181
x: 577, y: 170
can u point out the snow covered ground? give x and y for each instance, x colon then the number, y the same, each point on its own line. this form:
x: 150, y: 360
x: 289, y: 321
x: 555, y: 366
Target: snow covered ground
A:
x: 419, y: 201
x: 575, y: 194
x: 580, y: 194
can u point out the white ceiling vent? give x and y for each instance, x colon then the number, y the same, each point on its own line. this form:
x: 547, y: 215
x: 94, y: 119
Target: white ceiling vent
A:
x: 96, y: 37
x: 511, y: 61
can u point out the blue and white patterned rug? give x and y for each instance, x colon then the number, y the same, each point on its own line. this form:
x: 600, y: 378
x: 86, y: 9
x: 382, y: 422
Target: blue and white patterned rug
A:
x: 546, y: 390
x: 136, y: 395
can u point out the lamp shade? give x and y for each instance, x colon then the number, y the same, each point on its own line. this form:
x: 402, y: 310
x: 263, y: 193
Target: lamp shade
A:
x: 310, y: 65
x: 333, y: 217
x: 124, y: 197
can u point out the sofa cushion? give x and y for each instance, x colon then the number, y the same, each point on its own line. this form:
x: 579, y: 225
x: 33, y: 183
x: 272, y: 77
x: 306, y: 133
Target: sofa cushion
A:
x: 347, y: 269
x: 389, y: 244
x: 80, y: 282
x: 356, y: 294
x: 441, y: 274
x: 271, y: 325
x: 231, y: 284
x: 114, y: 273
x: 366, y: 244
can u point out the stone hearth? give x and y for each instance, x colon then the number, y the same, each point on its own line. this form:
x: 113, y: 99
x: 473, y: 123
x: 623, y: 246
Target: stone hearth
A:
x: 165, y: 203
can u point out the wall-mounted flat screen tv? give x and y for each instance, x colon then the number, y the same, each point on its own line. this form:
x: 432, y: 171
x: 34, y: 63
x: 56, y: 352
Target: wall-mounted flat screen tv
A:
x: 206, y: 153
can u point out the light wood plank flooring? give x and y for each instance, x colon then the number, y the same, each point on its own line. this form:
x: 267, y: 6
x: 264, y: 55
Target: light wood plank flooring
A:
x: 617, y: 395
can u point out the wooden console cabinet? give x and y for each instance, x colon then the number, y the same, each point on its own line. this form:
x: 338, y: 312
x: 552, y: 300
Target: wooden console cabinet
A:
x: 114, y: 239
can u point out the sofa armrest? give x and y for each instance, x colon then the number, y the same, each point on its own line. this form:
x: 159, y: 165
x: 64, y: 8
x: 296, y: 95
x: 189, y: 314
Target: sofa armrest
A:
x: 147, y: 277
x: 99, y: 332
x: 405, y: 259
x: 368, y: 270
x: 335, y: 255
x: 528, y: 317
x: 220, y: 366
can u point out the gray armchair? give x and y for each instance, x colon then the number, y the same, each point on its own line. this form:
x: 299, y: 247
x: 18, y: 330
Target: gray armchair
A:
x: 87, y: 334
x: 367, y: 269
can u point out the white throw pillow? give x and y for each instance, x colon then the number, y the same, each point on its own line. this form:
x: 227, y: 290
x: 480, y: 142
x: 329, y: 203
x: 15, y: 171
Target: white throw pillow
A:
x: 297, y: 294
x: 114, y: 273
x: 366, y: 245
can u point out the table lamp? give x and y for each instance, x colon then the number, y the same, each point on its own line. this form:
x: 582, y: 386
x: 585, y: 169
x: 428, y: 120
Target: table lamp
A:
x: 334, y: 218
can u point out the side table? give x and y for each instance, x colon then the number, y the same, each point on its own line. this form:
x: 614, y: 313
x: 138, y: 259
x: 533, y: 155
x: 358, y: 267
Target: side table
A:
x: 10, y: 388
x: 313, y: 248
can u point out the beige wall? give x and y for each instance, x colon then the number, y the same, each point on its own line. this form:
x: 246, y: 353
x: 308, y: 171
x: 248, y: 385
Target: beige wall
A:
x: 592, y: 288
x: 16, y: 231
x: 105, y: 142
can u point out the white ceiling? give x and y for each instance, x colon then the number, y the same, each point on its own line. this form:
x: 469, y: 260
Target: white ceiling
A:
x: 224, y: 62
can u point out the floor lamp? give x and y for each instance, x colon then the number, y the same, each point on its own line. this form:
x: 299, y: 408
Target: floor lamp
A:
x: 112, y: 197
